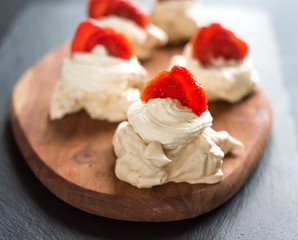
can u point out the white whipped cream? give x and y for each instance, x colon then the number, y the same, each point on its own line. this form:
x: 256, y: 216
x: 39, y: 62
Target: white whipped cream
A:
x: 103, y: 85
x: 179, y: 19
x: 98, y: 71
x: 144, y: 163
x: 223, y: 80
x: 177, y: 123
x: 143, y: 41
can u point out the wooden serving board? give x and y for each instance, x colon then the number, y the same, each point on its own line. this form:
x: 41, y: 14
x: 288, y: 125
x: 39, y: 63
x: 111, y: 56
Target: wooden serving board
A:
x: 73, y: 157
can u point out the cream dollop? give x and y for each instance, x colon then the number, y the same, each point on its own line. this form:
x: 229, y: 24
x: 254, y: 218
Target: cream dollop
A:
x: 98, y: 71
x: 197, y: 159
x: 143, y: 41
x: 179, y: 19
x: 103, y: 85
x: 178, y: 124
x: 223, y: 80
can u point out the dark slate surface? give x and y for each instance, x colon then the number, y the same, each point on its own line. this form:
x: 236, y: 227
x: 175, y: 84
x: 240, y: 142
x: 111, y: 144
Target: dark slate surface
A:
x: 265, y: 208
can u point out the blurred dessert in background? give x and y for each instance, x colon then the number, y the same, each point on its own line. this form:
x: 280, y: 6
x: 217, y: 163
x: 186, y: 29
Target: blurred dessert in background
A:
x: 126, y: 17
x: 178, y: 18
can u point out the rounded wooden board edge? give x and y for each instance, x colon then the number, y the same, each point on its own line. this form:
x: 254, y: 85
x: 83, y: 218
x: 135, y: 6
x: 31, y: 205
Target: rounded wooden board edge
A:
x: 40, y: 168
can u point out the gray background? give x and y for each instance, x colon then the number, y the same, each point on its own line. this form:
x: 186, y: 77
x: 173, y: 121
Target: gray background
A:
x: 265, y: 208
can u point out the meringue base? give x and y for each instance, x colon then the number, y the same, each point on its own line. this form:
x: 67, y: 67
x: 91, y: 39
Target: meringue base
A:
x: 155, y: 38
x: 99, y: 105
x: 146, y: 165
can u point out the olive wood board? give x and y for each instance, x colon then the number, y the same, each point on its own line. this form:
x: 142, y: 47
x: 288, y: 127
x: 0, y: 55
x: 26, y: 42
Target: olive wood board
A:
x: 74, y: 158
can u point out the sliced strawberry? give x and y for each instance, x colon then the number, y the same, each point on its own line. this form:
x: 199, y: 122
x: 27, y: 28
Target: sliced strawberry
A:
x: 214, y: 41
x: 122, y: 8
x: 97, y: 8
x: 89, y: 34
x: 178, y: 84
x: 84, y: 31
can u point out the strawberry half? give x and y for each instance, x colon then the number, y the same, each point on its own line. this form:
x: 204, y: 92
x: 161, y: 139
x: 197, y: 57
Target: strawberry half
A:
x: 178, y: 84
x: 122, y: 8
x: 89, y: 34
x: 97, y: 8
x: 214, y: 41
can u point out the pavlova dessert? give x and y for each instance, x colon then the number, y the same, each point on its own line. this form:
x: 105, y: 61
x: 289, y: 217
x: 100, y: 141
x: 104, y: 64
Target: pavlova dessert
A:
x: 178, y: 18
x: 127, y: 18
x: 168, y: 135
x: 220, y: 59
x: 102, y: 76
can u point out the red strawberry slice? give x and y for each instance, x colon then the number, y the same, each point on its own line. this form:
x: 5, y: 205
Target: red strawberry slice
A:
x: 122, y: 8
x: 97, y: 8
x: 178, y: 84
x: 214, y: 41
x: 89, y: 34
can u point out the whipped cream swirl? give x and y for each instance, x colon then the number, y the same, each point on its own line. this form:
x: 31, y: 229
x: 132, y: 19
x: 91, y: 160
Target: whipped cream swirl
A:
x: 97, y: 71
x: 166, y: 121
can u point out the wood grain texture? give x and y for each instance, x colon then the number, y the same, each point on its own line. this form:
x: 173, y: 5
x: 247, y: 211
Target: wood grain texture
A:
x: 73, y: 157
